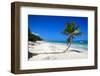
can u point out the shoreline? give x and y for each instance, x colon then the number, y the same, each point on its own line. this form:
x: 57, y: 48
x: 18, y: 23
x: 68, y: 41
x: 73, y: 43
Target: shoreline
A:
x: 52, y: 51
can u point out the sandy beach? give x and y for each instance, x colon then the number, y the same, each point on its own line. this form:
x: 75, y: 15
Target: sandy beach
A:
x: 55, y: 51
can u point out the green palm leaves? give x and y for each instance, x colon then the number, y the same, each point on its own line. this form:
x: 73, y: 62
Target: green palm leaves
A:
x: 71, y: 30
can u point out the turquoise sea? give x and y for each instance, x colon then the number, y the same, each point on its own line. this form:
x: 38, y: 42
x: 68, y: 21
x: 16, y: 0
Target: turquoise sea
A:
x: 82, y: 44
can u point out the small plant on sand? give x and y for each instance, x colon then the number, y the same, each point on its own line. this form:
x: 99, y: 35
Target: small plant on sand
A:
x: 71, y: 30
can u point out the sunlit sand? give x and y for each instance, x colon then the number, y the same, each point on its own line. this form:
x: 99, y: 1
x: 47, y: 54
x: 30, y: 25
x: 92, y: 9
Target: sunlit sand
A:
x: 55, y: 51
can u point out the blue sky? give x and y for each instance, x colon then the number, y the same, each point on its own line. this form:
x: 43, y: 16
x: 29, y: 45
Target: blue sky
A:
x: 50, y: 27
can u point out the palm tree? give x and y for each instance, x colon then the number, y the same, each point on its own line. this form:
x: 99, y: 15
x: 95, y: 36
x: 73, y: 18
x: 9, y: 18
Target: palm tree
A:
x: 71, y: 30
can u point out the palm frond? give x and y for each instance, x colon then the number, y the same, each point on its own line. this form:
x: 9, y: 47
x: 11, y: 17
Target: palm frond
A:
x: 77, y: 27
x: 79, y: 34
x: 65, y: 32
x: 69, y: 27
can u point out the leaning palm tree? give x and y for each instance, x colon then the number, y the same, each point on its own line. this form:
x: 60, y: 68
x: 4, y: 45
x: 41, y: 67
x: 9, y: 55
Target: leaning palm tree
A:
x: 71, y: 30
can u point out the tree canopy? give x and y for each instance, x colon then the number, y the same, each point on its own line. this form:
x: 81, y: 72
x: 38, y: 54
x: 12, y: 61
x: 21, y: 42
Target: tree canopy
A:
x: 32, y: 37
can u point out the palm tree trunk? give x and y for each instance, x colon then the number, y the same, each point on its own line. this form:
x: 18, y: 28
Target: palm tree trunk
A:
x: 67, y: 47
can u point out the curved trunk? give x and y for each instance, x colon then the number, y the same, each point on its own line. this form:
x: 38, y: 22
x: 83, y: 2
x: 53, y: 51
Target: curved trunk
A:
x: 67, y: 47
x: 68, y: 44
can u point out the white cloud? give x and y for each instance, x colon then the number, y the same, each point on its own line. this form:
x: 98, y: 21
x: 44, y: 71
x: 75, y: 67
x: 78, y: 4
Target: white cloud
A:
x: 35, y: 33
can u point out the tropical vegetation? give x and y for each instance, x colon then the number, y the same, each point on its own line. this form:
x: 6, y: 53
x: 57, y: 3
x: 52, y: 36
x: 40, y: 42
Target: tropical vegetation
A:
x: 33, y: 37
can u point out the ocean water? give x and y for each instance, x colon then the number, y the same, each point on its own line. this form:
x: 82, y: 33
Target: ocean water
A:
x: 75, y: 44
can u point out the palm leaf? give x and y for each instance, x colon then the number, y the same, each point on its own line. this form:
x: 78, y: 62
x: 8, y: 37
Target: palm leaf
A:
x: 77, y: 27
x: 79, y: 34
x: 69, y: 27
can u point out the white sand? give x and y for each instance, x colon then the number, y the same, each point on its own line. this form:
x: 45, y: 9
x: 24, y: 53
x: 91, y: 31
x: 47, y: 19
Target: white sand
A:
x: 54, y: 51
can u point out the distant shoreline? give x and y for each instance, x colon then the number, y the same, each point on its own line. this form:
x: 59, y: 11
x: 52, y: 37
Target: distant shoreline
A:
x: 77, y: 44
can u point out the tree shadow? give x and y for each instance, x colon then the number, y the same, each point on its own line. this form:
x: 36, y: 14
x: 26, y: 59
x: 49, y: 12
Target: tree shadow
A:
x: 76, y: 51
x: 31, y: 55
